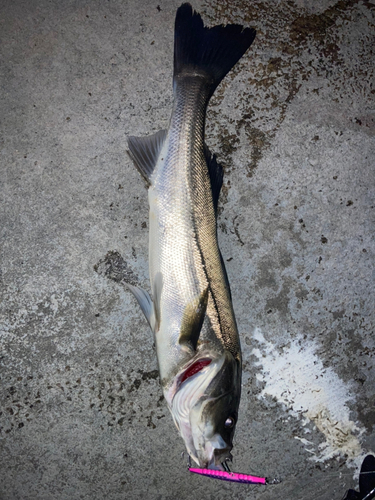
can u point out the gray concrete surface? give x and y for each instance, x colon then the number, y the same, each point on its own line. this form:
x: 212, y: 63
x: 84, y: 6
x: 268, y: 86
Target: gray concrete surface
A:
x: 81, y: 411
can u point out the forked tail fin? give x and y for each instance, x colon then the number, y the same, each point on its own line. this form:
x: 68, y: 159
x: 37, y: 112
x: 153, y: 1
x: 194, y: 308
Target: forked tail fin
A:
x: 211, y: 51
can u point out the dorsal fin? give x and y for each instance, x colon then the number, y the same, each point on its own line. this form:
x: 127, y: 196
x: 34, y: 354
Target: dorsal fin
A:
x: 144, y: 151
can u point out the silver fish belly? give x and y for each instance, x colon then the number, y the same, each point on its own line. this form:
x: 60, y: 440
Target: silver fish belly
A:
x: 191, y: 312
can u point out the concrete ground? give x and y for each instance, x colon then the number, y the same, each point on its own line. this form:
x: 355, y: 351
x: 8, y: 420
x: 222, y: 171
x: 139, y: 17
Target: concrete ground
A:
x: 81, y: 411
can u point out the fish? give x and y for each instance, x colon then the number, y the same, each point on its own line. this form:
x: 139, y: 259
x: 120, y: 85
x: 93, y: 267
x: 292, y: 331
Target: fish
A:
x: 191, y: 313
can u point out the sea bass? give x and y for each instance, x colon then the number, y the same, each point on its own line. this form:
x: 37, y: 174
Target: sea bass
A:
x: 191, y: 312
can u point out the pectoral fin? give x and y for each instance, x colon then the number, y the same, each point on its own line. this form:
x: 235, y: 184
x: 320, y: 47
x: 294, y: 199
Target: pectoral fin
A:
x: 192, y: 321
x: 147, y: 306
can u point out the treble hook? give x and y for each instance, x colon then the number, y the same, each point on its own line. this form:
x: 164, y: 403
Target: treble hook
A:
x: 225, y: 465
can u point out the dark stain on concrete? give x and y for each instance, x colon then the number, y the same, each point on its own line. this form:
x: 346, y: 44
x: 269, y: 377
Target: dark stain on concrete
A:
x: 266, y: 277
x: 115, y: 268
x: 258, y: 143
x: 152, y: 375
x: 301, y: 292
x: 279, y: 302
x: 317, y: 25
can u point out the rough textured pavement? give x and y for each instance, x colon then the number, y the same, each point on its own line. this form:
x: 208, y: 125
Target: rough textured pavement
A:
x: 81, y: 411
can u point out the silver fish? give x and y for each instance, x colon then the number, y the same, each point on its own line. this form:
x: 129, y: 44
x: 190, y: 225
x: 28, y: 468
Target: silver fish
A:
x: 191, y: 313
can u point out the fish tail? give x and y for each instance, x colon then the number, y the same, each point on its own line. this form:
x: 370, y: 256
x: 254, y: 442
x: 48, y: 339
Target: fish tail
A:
x: 209, y: 51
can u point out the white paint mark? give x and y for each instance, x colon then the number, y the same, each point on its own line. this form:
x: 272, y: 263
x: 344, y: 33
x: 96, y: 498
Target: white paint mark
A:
x: 297, y: 378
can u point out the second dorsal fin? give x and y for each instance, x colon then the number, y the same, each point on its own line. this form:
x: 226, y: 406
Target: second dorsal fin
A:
x: 216, y: 174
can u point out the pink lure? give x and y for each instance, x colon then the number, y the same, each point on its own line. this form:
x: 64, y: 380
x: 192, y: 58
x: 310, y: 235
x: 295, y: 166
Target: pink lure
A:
x: 229, y: 476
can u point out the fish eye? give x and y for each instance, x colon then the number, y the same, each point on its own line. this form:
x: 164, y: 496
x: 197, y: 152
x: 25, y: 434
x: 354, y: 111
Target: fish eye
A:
x: 229, y: 423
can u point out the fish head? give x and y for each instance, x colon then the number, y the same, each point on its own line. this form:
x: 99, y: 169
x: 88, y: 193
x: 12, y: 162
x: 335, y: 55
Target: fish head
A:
x: 214, y: 416
x: 205, y: 410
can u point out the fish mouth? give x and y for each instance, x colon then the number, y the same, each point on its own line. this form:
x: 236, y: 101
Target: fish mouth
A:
x: 211, y: 458
x: 214, y: 454
x: 218, y: 461
x: 223, y: 456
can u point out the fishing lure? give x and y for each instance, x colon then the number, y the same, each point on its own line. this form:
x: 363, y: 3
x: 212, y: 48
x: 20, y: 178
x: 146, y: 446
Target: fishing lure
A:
x: 230, y: 476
